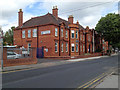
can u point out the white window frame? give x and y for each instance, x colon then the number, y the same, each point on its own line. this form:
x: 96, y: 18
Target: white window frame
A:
x: 66, y: 47
x: 76, y: 33
x: 66, y: 34
x: 56, y: 46
x: 72, y: 33
x: 72, y: 45
x: 76, y: 47
x: 29, y: 46
x: 23, y: 34
x: 83, y: 48
x: 34, y: 32
x: 62, y: 47
x: 29, y: 33
x: 61, y: 32
x: 56, y: 32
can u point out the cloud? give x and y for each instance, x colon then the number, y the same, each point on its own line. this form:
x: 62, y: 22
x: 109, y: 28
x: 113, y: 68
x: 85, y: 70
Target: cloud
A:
x: 86, y: 12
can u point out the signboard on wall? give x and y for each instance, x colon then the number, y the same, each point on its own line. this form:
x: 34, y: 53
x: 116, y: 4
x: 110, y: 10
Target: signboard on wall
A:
x: 45, y: 32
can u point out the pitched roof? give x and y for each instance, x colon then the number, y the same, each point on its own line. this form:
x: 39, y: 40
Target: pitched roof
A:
x: 45, y: 19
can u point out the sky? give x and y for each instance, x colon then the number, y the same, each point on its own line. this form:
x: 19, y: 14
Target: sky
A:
x: 87, y: 12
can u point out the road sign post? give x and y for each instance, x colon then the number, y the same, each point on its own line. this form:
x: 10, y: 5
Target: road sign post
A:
x: 1, y: 47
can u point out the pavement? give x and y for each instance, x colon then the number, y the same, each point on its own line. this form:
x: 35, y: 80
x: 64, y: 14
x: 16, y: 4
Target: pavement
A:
x: 111, y: 81
x: 42, y: 63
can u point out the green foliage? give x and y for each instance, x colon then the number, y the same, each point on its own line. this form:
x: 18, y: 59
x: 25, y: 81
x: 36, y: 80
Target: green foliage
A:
x: 109, y: 27
x: 8, y: 37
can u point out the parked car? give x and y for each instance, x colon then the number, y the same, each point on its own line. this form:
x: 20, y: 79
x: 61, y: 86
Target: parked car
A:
x: 13, y: 55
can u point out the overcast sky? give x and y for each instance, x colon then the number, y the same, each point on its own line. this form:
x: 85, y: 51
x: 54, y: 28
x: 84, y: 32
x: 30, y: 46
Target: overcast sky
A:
x: 88, y: 13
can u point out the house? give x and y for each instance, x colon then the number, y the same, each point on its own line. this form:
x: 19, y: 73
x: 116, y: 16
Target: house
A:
x: 53, y: 35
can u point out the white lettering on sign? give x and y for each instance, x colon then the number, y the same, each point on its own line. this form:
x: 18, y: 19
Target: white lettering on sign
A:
x: 45, y: 32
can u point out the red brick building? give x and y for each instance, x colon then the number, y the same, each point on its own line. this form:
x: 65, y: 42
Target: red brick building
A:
x: 57, y: 37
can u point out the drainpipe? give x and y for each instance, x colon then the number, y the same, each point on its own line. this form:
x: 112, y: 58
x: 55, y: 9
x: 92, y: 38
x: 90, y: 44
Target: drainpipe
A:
x: 37, y: 37
x: 79, y: 41
x: 59, y: 40
x: 93, y: 40
x: 69, y: 42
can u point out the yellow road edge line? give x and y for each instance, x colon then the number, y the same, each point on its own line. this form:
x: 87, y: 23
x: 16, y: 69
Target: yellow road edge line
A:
x: 92, y: 80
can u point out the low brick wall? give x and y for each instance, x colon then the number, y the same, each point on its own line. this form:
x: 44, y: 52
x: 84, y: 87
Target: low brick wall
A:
x: 21, y: 61
x: 58, y: 57
x: 90, y: 55
x: 74, y: 57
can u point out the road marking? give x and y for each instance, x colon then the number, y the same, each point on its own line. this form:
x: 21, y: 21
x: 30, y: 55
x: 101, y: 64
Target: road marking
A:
x: 100, y: 77
x: 91, y: 81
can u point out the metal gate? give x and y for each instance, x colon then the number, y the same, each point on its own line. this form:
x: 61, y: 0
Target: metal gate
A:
x: 40, y: 52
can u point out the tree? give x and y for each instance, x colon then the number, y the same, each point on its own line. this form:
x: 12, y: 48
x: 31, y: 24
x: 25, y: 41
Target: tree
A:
x: 109, y: 28
x: 8, y: 37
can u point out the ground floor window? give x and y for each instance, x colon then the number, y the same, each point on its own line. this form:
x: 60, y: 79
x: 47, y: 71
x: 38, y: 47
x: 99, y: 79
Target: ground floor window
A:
x: 62, y: 47
x: 83, y: 48
x: 56, y: 46
x: 76, y: 47
x: 73, y: 47
x: 66, y: 47
x: 29, y: 46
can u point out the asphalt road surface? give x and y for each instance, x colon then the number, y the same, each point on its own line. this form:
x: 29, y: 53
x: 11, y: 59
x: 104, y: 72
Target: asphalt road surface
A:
x: 70, y: 75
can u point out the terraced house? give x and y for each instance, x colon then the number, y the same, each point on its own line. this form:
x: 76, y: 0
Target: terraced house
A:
x: 54, y: 36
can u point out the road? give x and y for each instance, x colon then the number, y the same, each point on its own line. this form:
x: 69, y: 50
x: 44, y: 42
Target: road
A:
x: 71, y: 75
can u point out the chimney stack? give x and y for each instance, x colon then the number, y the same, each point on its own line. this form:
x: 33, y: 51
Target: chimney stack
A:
x: 70, y: 19
x: 77, y: 22
x: 20, y: 18
x: 55, y: 11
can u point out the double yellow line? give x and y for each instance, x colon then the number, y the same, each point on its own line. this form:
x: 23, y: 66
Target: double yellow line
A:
x: 93, y: 82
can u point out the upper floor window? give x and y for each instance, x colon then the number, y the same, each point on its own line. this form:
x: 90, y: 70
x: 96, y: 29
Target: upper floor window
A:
x: 29, y: 33
x: 23, y: 34
x: 73, y: 47
x: 76, y: 34
x: 72, y: 33
x: 66, y: 34
x: 34, y: 32
x: 66, y: 47
x: 76, y: 47
x: 61, y: 32
x: 83, y: 38
x: 89, y: 38
x: 62, y: 47
x: 56, y: 32
x: 56, y: 46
